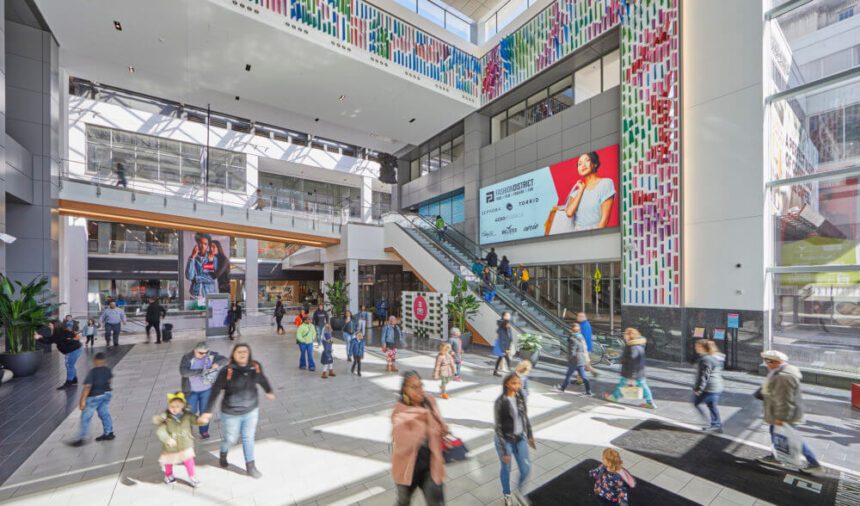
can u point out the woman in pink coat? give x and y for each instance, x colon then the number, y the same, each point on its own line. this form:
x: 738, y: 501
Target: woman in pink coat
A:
x: 417, y: 429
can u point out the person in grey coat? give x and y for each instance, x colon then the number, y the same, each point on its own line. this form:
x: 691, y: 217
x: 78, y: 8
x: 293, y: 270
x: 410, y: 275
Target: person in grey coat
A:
x: 709, y: 382
x: 199, y: 368
x: 783, y: 403
x: 577, y: 359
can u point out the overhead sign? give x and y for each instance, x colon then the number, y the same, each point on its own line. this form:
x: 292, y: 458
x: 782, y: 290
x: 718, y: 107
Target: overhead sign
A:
x: 575, y: 195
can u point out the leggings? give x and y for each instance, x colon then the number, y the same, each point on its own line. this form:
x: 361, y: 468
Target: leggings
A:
x: 507, y: 360
x: 356, y: 362
x: 189, y: 466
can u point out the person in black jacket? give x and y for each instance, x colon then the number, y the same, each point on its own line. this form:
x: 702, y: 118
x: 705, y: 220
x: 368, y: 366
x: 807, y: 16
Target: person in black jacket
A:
x: 280, y: 311
x: 234, y: 314
x: 69, y: 344
x: 154, y: 313
x: 492, y: 258
x: 320, y: 318
x: 240, y: 407
x: 348, y: 333
x: 502, y: 347
x: 513, y: 435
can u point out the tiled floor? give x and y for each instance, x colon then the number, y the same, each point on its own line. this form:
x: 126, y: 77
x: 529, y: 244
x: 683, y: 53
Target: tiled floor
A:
x: 326, y: 441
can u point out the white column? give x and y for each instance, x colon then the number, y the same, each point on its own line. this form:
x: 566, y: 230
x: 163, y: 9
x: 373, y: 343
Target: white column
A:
x: 352, y: 279
x: 74, y: 269
x: 328, y: 277
x: 251, y: 276
x: 367, y: 199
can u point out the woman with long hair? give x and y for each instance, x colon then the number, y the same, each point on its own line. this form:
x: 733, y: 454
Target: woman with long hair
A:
x: 513, y: 435
x: 633, y: 368
x: 222, y: 274
x: 589, y: 204
x: 240, y: 408
x: 417, y: 429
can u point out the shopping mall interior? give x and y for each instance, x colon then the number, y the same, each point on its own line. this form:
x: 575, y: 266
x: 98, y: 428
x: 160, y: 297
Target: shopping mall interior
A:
x: 581, y: 186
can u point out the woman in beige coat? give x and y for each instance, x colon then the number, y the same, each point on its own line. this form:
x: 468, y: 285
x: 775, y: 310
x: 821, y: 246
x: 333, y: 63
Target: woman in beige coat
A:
x: 417, y: 429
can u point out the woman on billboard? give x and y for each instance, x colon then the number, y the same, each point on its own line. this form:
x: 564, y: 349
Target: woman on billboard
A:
x: 222, y: 274
x: 589, y: 204
x: 202, y: 266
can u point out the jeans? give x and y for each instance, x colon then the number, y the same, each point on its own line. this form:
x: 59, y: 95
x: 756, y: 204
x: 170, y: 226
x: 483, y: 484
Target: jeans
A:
x: 157, y: 325
x: 347, y: 338
x: 112, y: 329
x: 235, y: 425
x: 579, y: 370
x: 434, y: 495
x: 362, y: 327
x: 71, y: 359
x: 518, y: 451
x: 197, y: 402
x: 319, y: 335
x: 459, y: 363
x: 807, y: 452
x: 306, y: 349
x: 646, y: 390
x: 97, y: 403
x: 711, y: 400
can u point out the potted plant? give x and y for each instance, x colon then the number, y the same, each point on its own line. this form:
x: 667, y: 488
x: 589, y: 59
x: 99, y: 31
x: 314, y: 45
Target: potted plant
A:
x: 21, y: 315
x: 462, y: 304
x: 530, y: 346
x: 337, y: 294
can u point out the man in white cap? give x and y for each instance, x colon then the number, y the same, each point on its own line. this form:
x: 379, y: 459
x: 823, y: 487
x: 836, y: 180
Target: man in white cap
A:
x: 783, y: 403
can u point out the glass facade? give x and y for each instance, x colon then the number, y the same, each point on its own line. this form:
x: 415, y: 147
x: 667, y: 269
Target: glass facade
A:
x: 813, y: 167
x: 131, y: 294
x: 567, y: 289
x: 435, y: 156
x: 451, y: 209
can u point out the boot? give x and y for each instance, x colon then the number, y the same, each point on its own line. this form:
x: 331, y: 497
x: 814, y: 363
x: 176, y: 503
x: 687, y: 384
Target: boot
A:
x: 222, y: 460
x: 325, y: 374
x: 251, y: 469
x: 332, y: 374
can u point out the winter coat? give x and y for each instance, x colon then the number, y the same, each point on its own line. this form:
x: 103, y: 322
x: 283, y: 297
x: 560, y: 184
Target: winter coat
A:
x: 504, y: 418
x: 356, y: 348
x: 65, y: 340
x: 185, y: 370
x: 411, y: 427
x: 155, y: 312
x: 180, y: 430
x: 306, y: 333
x: 781, y: 395
x: 326, y: 356
x: 445, y: 367
x: 709, y: 376
x: 504, y: 337
x: 633, y: 359
x: 320, y: 318
x: 577, y: 351
x: 492, y: 259
x: 280, y: 311
x: 240, y: 390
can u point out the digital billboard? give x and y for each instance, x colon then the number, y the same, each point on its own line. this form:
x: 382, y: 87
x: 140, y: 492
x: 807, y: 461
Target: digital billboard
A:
x: 575, y: 195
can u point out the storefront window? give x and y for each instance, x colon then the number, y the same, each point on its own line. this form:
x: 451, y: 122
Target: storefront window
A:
x: 131, y: 294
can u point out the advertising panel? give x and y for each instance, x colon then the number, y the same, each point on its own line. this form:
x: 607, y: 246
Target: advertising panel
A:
x: 205, y: 267
x: 572, y: 196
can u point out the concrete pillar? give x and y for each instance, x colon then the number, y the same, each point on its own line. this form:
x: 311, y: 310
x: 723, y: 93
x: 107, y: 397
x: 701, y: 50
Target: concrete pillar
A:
x: 352, y: 279
x: 251, y: 276
x: 367, y: 199
x: 328, y: 277
x: 3, y: 133
x: 74, y: 266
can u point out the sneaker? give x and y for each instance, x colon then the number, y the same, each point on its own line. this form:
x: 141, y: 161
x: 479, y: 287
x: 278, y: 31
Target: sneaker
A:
x: 509, y: 501
x: 496, y: 373
x: 457, y: 378
x: 711, y: 428
x: 648, y: 405
x: 610, y: 398
x: 520, y: 498
x: 169, y: 479
x: 75, y: 380
x: 768, y: 460
x: 558, y: 388
x: 358, y: 374
x: 106, y: 437
x: 78, y: 443
x: 204, y: 435
x: 194, y: 482
x: 589, y: 394
x: 813, y: 470
x: 64, y: 385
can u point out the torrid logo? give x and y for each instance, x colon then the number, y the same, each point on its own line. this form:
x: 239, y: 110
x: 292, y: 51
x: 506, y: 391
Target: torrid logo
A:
x: 491, y: 197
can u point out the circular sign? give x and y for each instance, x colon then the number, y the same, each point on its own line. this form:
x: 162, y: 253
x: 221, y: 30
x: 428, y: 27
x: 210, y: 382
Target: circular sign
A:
x: 419, y: 308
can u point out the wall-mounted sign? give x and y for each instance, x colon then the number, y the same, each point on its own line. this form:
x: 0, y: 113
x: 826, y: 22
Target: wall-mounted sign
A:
x: 733, y: 321
x: 719, y: 334
x: 699, y: 332
x: 419, y: 308
x: 572, y: 196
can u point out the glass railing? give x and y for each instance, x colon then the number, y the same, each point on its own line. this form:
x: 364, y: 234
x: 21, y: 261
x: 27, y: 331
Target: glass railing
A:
x: 132, y: 247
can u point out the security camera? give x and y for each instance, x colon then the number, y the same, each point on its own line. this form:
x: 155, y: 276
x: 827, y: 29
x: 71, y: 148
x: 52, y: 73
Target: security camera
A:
x: 8, y: 239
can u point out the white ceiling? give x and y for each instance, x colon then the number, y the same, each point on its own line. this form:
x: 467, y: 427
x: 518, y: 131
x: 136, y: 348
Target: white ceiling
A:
x: 195, y: 52
x: 475, y: 9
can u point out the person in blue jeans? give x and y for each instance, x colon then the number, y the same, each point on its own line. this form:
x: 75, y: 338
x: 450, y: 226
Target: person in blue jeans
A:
x: 577, y: 360
x: 633, y: 368
x: 240, y: 408
x: 95, y: 398
x: 709, y: 382
x: 513, y: 436
x: 199, y: 369
x: 305, y: 336
x: 69, y: 344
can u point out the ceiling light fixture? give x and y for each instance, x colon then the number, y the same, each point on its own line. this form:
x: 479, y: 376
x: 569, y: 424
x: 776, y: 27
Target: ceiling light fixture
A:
x: 131, y: 69
x: 316, y: 119
x: 237, y: 97
x: 341, y: 98
x: 412, y: 120
x: 247, y: 67
x: 117, y: 25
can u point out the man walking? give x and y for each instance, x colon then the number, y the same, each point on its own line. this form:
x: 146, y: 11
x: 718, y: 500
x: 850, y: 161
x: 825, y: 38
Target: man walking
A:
x: 154, y: 313
x: 492, y: 259
x: 112, y: 319
x: 320, y: 318
x: 588, y: 335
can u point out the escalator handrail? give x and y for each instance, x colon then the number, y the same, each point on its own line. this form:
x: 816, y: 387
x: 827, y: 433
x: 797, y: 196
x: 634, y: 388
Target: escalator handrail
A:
x: 469, y: 246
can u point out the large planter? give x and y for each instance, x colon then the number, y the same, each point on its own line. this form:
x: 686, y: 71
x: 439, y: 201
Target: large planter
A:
x: 22, y: 364
x: 466, y: 339
x: 337, y: 322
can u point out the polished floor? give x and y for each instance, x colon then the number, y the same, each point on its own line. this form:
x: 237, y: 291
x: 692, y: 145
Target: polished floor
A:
x: 327, y: 441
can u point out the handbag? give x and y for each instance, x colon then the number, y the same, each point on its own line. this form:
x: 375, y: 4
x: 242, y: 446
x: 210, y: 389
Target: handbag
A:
x: 453, y: 449
x: 631, y: 391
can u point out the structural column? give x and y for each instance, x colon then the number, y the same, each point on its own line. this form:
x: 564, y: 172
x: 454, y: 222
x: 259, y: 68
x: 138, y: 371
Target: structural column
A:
x: 352, y: 279
x: 367, y: 199
x: 328, y: 277
x: 74, y: 266
x: 251, y: 276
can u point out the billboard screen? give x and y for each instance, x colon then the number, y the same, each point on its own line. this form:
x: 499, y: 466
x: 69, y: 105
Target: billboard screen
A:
x: 572, y: 196
x: 205, y: 267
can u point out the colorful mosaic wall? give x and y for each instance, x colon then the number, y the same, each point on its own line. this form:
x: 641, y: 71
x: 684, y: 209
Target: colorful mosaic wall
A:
x: 362, y: 25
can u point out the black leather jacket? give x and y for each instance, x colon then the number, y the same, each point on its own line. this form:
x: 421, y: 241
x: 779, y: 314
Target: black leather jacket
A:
x: 505, y: 418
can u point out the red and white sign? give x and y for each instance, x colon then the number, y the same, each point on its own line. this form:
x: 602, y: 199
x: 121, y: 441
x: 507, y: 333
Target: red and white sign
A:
x: 419, y: 308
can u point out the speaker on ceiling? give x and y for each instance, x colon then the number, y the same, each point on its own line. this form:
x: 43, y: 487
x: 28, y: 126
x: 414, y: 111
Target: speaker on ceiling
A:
x: 387, y: 168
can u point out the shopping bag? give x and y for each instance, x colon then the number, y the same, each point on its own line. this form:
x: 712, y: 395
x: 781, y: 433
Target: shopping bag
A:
x: 787, y: 445
x: 631, y: 391
x: 453, y: 449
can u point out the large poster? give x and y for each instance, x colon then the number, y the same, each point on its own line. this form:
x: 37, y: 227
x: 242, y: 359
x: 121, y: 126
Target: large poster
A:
x: 572, y: 196
x: 205, y: 267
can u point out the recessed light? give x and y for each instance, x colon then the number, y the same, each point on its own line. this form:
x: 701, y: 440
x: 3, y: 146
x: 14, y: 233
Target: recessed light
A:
x: 247, y: 67
x: 131, y: 69
x: 412, y: 120
x: 341, y: 98
x: 237, y: 97
x: 117, y: 25
x: 316, y: 119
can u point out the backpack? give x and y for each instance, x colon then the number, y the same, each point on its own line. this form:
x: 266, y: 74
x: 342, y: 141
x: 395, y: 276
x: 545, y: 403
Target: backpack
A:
x: 257, y: 368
